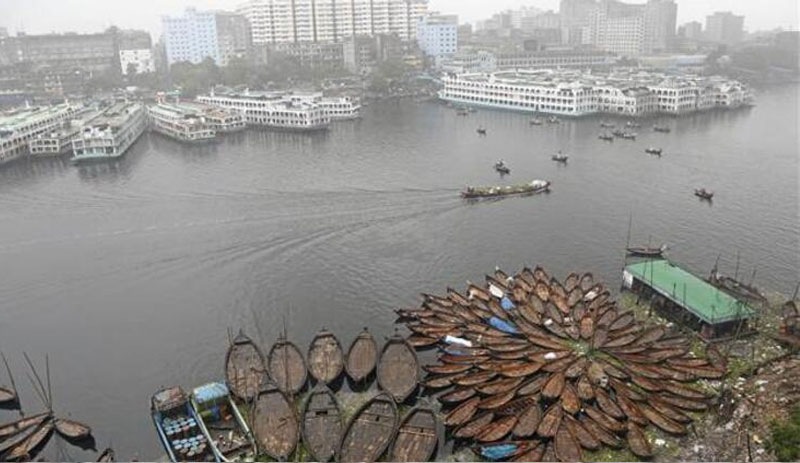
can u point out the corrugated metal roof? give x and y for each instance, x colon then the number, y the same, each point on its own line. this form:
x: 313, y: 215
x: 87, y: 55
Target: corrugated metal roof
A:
x: 694, y: 294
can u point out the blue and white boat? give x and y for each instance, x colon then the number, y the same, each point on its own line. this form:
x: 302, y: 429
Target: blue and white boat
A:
x: 220, y: 419
x: 179, y: 427
x: 110, y: 134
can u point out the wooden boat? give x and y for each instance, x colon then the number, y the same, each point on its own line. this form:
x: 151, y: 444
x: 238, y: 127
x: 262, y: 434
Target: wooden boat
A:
x: 606, y: 125
x: 219, y: 419
x: 462, y: 413
x: 508, y: 450
x: 473, y: 427
x: 458, y: 395
x: 448, y: 368
x: 553, y: 120
x: 517, y: 406
x: 419, y: 341
x: 661, y: 421
x: 693, y: 404
x: 551, y: 420
x: 419, y: 436
x: 668, y: 410
x: 554, y: 386
x: 370, y: 431
x: 499, y: 386
x: 244, y: 367
x: 653, y: 151
x: 528, y: 421
x: 15, y: 427
x: 496, y: 401
x: 646, y: 251
x: 8, y: 395
x: 570, y: 401
x: 582, y: 435
x: 502, y: 168
x: 497, y: 429
x: 562, y: 158
x: 71, y: 429
x: 481, y: 131
x: 606, y: 137
x: 602, y: 419
x: 274, y: 423
x: 637, y: 441
x: 171, y: 410
x: 362, y: 356
x: 566, y: 446
x: 31, y: 444
x: 684, y: 390
x: 628, y: 136
x: 398, y: 368
x: 607, y: 404
x: 737, y: 288
x: 534, y: 187
x: 321, y: 423
x: 286, y: 366
x: 661, y: 128
x: 702, y: 193
x: 631, y: 410
x: 325, y: 357
x: 107, y: 455
x: 535, y: 121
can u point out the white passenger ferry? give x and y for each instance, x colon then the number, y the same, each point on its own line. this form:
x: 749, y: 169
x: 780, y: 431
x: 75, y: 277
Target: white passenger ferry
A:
x: 182, y: 124
x: 111, y: 134
x: 273, y: 110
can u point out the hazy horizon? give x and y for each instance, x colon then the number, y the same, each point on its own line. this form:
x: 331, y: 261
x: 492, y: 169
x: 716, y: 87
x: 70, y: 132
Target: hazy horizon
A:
x: 74, y: 15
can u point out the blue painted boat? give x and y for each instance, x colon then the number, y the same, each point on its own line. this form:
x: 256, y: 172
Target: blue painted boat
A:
x: 498, y: 451
x: 506, y: 303
x: 178, y: 427
x: 220, y: 419
x: 504, y: 326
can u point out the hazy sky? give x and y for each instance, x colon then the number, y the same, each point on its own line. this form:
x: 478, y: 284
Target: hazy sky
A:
x: 38, y: 16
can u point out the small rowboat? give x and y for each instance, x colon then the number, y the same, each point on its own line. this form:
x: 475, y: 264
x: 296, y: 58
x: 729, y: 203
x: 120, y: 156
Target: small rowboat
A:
x: 107, y: 455
x: 15, y: 427
x: 370, y: 431
x: 606, y: 137
x: 30, y: 446
x: 653, y: 151
x: 7, y: 395
x: 505, y: 451
x: 419, y: 436
x: 244, y: 367
x: 646, y: 251
x: 321, y: 423
x: 274, y: 422
x: 361, y: 357
x: 562, y: 158
x: 71, y: 429
x: 661, y: 128
x: 219, y: 419
x: 287, y: 367
x: 481, y: 131
x: 534, y: 187
x: 325, y: 357
x: 702, y: 193
x: 398, y: 368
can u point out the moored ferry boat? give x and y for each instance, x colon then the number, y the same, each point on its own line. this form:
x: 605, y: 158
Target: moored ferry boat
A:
x: 111, y: 134
x: 536, y: 186
x: 182, y: 124
x: 273, y: 110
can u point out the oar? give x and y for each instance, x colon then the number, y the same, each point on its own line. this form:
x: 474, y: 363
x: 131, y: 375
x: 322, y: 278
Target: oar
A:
x: 38, y: 379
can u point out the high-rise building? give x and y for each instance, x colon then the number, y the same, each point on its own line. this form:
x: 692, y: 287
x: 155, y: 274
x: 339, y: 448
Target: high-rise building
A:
x: 197, y: 35
x: 282, y: 21
x: 437, y: 34
x: 724, y: 27
x: 623, y: 28
x: 135, y: 52
x: 692, y: 30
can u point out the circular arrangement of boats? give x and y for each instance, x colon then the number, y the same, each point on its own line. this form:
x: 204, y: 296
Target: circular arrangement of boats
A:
x: 533, y: 369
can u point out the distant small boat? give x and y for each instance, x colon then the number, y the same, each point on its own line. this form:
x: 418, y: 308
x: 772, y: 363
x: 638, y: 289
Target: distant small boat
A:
x: 618, y: 133
x: 462, y: 112
x: 107, y: 455
x: 702, y: 193
x: 553, y: 120
x: 661, y: 128
x: 633, y: 124
x: 607, y: 125
x: 536, y: 186
x: 562, y: 158
x: 654, y: 151
x: 606, y: 137
x: 536, y: 121
x: 30, y: 446
x: 7, y: 395
x: 629, y: 135
x: 71, y: 429
x: 647, y: 251
x: 502, y: 168
x: 481, y: 131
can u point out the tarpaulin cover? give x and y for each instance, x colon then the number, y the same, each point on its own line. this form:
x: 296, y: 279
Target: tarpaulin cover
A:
x: 504, y: 326
x: 498, y: 452
x: 210, y: 391
x: 506, y: 303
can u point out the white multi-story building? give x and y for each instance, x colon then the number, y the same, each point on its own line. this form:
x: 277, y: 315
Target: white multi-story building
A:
x: 437, y: 34
x: 197, y: 35
x: 19, y: 127
x: 282, y: 21
x: 139, y: 61
x: 573, y: 93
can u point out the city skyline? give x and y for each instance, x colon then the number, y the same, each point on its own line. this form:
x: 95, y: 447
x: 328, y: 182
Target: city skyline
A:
x: 71, y: 16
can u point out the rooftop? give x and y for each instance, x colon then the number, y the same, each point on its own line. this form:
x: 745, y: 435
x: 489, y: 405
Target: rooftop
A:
x: 16, y: 119
x: 690, y: 292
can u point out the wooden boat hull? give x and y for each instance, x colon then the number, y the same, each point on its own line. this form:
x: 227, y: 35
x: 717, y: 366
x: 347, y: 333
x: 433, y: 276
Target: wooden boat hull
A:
x: 244, y: 367
x: 274, y: 423
x: 398, y: 369
x: 325, y: 357
x: 71, y: 429
x: 418, y: 436
x: 287, y: 366
x: 321, y: 424
x: 362, y: 357
x: 370, y: 431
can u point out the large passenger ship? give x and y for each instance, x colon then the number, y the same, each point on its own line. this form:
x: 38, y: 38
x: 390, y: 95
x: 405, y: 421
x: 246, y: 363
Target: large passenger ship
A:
x: 273, y: 110
x: 18, y: 127
x: 111, y: 134
x: 182, y: 124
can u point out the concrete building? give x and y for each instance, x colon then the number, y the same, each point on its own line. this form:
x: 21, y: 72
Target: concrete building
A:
x: 136, y: 52
x: 68, y: 51
x: 577, y: 19
x: 282, y: 21
x: 724, y: 27
x: 692, y: 30
x: 197, y: 35
x: 437, y: 34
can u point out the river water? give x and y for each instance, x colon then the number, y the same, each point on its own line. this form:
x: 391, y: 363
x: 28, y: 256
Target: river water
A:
x: 129, y: 274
